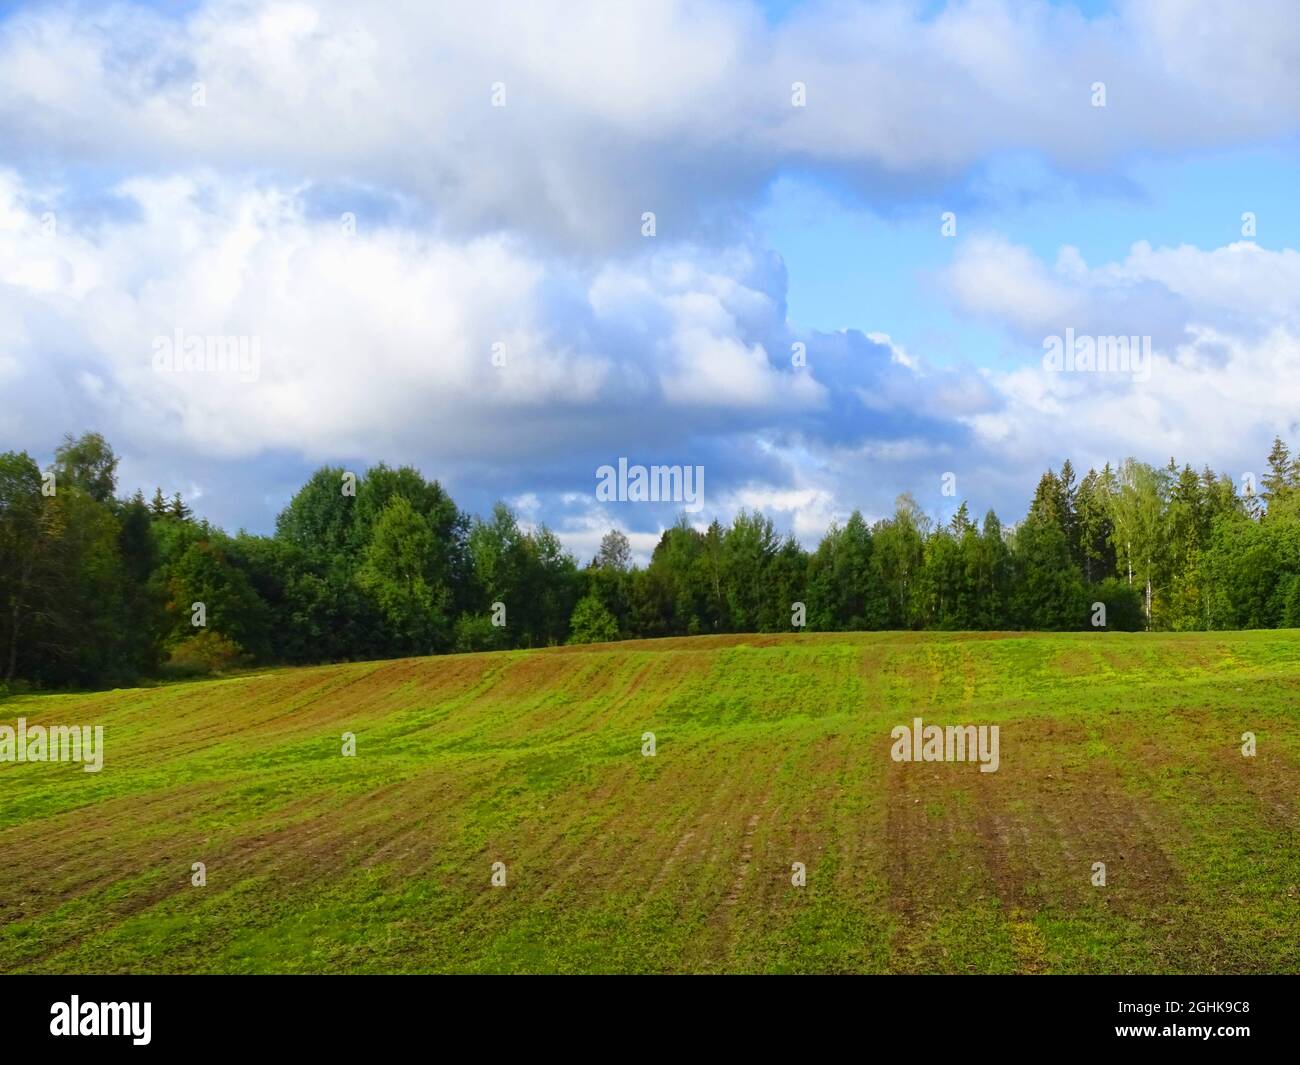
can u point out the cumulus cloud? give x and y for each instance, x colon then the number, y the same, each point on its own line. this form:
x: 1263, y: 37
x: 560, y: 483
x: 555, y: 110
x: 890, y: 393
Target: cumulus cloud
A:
x: 375, y: 341
x: 433, y: 279
x: 478, y: 359
x: 1155, y: 292
x: 1224, y: 325
x: 680, y: 108
x: 363, y: 331
x: 505, y: 372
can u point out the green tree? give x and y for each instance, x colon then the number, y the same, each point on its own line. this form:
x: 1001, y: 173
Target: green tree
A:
x: 204, y: 572
x: 1124, y: 609
x: 592, y: 623
x: 670, y: 599
x: 898, y: 547
x: 943, y: 601
x: 1187, y: 535
x: 1280, y: 481
x: 513, y: 568
x: 142, y: 609
x: 615, y: 552
x: 708, y: 577
x: 610, y: 578
x: 28, y: 530
x: 398, y: 569
x: 988, y: 574
x: 1139, y: 532
x: 319, y: 518
x: 748, y: 549
x: 87, y: 463
x: 1048, y: 591
x: 1096, y: 549
x: 158, y: 505
x: 786, y: 583
x: 448, y: 563
x: 552, y: 588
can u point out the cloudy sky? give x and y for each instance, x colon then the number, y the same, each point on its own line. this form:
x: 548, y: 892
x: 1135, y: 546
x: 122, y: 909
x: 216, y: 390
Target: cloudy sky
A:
x: 386, y: 196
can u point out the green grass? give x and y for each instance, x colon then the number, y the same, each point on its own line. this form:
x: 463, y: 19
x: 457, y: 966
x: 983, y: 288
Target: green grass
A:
x: 771, y: 750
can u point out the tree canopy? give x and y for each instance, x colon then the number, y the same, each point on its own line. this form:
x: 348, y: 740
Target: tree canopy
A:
x: 97, y: 589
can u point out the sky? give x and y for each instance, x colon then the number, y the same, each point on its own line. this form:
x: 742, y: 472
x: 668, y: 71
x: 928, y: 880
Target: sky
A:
x: 428, y: 221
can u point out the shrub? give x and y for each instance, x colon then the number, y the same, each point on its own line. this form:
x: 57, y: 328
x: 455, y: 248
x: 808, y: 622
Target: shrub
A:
x: 475, y: 632
x: 1291, y: 607
x: 1125, y: 611
x: 592, y: 622
x: 203, y: 654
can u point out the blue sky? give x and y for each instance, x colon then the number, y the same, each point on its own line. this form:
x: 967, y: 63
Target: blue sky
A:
x: 131, y: 208
x: 833, y: 246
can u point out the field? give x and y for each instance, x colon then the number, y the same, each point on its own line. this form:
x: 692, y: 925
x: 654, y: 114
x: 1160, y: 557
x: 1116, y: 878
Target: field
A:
x: 770, y: 750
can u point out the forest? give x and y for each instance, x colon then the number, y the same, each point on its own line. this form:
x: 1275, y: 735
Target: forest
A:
x: 98, y: 589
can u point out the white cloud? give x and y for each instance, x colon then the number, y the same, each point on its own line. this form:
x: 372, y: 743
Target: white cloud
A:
x: 991, y: 277
x: 1225, y: 328
x: 476, y: 226
x: 680, y: 108
x: 376, y: 339
x: 1156, y: 292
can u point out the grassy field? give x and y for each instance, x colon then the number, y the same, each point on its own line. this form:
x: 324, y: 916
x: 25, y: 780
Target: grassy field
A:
x: 771, y: 750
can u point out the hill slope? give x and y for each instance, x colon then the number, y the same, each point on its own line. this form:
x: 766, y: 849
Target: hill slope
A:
x: 771, y: 750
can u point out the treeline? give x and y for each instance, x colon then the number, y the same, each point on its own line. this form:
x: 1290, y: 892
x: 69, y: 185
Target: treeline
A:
x: 96, y: 590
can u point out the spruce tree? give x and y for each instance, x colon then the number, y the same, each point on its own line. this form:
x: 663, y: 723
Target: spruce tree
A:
x: 1279, y: 482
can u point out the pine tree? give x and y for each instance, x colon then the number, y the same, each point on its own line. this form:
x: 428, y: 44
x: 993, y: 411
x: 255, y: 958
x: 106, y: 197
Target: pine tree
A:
x: 1188, y: 536
x: 1048, y: 503
x: 1093, y: 526
x: 158, y: 507
x: 1067, y: 502
x: 178, y: 509
x: 988, y: 568
x: 1047, y: 591
x: 961, y: 521
x: 1279, y: 482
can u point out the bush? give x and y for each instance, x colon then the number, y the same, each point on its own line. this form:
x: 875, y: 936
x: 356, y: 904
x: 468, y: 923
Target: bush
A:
x: 592, y: 622
x: 203, y: 654
x: 1291, y: 607
x: 17, y: 686
x: 1125, y: 611
x: 475, y: 632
